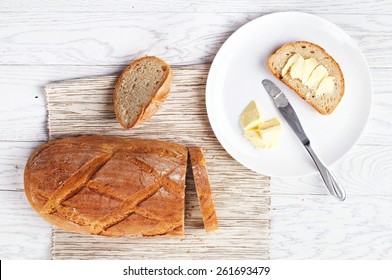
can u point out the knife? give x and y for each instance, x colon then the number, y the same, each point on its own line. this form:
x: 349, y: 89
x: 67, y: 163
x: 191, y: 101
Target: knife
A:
x: 287, y: 111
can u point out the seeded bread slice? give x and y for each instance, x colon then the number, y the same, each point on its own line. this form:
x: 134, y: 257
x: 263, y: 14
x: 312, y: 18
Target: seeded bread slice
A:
x: 140, y: 90
x: 326, y: 103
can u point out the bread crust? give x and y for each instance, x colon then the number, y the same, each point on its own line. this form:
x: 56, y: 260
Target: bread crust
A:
x: 109, y: 186
x: 278, y: 75
x: 203, y: 188
x: 156, y: 101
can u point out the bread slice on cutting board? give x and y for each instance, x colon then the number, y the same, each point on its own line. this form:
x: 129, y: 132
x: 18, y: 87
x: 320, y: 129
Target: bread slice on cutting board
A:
x: 140, y: 90
x: 203, y: 188
x: 325, y: 94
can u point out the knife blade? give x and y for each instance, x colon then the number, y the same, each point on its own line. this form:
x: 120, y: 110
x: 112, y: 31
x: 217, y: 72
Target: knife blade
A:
x: 285, y: 108
x: 282, y: 103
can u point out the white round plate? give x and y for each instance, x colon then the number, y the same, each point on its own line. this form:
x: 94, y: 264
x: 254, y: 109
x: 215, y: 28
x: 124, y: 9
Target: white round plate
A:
x: 235, y: 79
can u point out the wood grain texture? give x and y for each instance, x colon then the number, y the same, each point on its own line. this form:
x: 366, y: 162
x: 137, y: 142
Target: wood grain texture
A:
x: 362, y: 172
x: 24, y: 234
x: 84, y: 106
x: 201, y: 6
x: 13, y: 158
x: 185, y: 38
x: 23, y: 110
x: 316, y: 227
x: 34, y: 33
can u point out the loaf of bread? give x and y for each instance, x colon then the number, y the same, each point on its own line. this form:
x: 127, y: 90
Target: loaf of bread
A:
x: 323, y: 103
x: 203, y: 188
x: 140, y: 90
x: 109, y: 186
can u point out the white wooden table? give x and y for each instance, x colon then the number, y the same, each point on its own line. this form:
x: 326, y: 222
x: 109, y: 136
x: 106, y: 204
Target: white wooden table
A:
x: 43, y: 41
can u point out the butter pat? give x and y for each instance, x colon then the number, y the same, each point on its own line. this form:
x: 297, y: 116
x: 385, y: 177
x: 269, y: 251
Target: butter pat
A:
x: 319, y: 73
x: 250, y: 117
x: 297, y: 69
x: 262, y: 134
x: 270, y: 137
x: 300, y: 68
x: 310, y: 73
x: 309, y: 65
x: 266, y: 138
x: 326, y: 86
x: 254, y: 137
x: 289, y: 63
x: 268, y: 124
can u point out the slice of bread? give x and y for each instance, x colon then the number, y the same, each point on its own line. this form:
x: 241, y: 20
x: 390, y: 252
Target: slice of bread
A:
x: 203, y: 188
x: 326, y: 103
x: 140, y: 90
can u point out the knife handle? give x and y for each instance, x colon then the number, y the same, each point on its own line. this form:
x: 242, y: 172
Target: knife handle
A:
x: 333, y: 185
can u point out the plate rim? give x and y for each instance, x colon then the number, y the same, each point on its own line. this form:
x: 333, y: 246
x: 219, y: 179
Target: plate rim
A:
x: 232, y: 37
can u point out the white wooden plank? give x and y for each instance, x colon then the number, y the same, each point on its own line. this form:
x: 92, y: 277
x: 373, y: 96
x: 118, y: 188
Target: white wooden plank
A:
x: 23, y: 233
x: 184, y: 38
x: 23, y: 110
x: 22, y: 114
x: 365, y: 170
x: 378, y: 130
x: 317, y: 6
x: 320, y: 227
x: 13, y: 158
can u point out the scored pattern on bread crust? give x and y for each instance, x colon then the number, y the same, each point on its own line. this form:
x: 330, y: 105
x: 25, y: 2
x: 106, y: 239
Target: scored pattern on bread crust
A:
x: 58, y: 203
x: 75, y: 183
x: 77, y: 218
x: 127, y: 207
x: 168, y: 184
x: 103, y: 190
x: 100, y: 189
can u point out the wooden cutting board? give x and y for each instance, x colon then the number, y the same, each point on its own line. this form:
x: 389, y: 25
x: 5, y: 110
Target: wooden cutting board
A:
x: 85, y: 106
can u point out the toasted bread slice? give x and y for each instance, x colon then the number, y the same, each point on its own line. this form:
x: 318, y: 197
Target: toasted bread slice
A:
x: 326, y: 103
x: 140, y: 90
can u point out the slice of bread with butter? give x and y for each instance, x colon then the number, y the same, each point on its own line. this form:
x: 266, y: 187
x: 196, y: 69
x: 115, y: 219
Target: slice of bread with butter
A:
x: 311, y: 72
x: 262, y: 134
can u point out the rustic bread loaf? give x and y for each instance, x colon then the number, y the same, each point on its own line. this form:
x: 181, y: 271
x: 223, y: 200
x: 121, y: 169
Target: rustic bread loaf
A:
x: 109, y: 186
x: 140, y: 90
x: 203, y: 188
x: 325, y: 104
